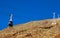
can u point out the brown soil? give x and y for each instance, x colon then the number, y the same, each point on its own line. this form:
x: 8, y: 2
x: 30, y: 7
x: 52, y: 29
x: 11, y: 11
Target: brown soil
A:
x: 35, y: 29
x: 57, y: 36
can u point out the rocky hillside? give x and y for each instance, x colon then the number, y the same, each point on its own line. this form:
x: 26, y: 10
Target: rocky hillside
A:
x: 33, y: 29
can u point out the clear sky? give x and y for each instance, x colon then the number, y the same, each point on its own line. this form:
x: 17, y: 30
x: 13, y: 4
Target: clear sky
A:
x: 27, y: 10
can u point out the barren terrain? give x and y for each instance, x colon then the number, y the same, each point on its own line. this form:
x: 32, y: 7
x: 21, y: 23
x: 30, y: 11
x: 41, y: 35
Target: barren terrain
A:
x: 33, y: 29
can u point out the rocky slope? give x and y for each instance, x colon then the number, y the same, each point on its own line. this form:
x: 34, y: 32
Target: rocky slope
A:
x: 35, y: 29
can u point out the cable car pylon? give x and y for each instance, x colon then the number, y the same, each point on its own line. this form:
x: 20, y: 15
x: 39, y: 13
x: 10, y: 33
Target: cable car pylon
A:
x: 11, y: 21
x: 54, y: 20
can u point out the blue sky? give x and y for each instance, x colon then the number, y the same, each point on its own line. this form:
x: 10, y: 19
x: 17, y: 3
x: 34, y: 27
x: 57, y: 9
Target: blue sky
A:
x: 27, y: 10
